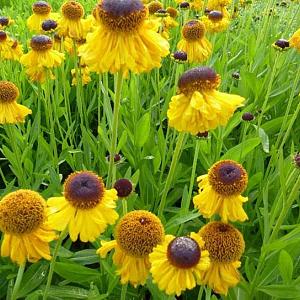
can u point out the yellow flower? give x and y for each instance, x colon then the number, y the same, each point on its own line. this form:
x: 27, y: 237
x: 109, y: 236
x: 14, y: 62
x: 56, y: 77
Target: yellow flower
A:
x: 41, y: 58
x: 295, y: 40
x: 72, y: 24
x: 124, y: 39
x: 199, y: 107
x: 41, y: 12
x: 220, y: 191
x: 10, y: 110
x: 194, y: 42
x: 196, y: 4
x: 23, y: 221
x: 84, y: 73
x: 9, y: 48
x: 86, y: 208
x: 225, y: 245
x: 215, y: 22
x: 5, y: 21
x: 137, y: 233
x: 178, y: 264
x: 154, y: 6
x: 216, y: 3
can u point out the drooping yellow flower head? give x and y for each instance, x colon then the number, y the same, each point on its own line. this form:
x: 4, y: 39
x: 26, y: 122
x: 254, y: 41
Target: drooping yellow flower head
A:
x: 10, y: 110
x: 41, y: 12
x: 196, y: 4
x: 86, y: 208
x: 23, y: 221
x: 137, y: 233
x: 295, y: 40
x: 41, y: 58
x: 215, y: 21
x: 178, y: 264
x: 220, y: 191
x: 5, y: 21
x: 199, y: 107
x: 216, y: 3
x: 125, y: 39
x: 9, y: 48
x: 194, y: 42
x: 72, y: 24
x: 225, y: 245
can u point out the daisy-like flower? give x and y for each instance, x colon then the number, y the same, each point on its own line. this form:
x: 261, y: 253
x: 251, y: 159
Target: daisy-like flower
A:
x: 216, y: 3
x: 5, y: 21
x: 194, y: 42
x: 9, y: 48
x: 23, y: 220
x: 129, y: 42
x: 197, y: 4
x: 137, y: 233
x: 281, y: 45
x: 84, y: 73
x: 214, y: 21
x: 220, y: 191
x: 41, y: 58
x: 41, y: 12
x: 199, y: 107
x: 178, y: 264
x: 72, y: 24
x: 225, y: 245
x: 86, y: 208
x: 295, y: 40
x: 10, y: 111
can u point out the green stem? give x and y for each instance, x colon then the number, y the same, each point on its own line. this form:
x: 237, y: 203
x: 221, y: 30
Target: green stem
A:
x: 18, y: 282
x: 123, y: 292
x: 53, y: 261
x: 171, y: 173
x: 114, y: 139
x: 124, y: 205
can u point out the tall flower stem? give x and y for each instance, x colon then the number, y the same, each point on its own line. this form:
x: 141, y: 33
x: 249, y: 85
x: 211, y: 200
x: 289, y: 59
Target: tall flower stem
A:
x: 53, y: 261
x: 124, y: 291
x: 175, y: 159
x: 18, y: 282
x: 114, y: 138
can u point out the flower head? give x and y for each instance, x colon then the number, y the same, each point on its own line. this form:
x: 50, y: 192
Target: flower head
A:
x: 137, y: 233
x: 225, y: 245
x: 281, y: 45
x: 215, y: 21
x: 178, y: 263
x: 122, y: 27
x: 23, y: 221
x: 10, y: 111
x: 294, y: 41
x: 49, y: 25
x: 199, y: 107
x: 86, y: 208
x: 124, y: 187
x: 220, y: 191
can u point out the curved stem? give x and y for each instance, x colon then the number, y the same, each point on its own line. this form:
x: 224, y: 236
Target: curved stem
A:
x: 114, y: 138
x: 170, y: 176
x: 53, y: 261
x: 18, y: 282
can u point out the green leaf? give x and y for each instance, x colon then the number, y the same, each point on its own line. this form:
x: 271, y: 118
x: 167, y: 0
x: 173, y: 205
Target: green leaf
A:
x: 281, y: 291
x: 142, y: 130
x: 75, y: 273
x: 285, y: 266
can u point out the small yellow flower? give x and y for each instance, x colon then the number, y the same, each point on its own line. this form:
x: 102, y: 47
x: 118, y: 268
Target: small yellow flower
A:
x: 220, y: 191
x: 194, y: 42
x: 86, y: 208
x: 197, y: 4
x: 23, y: 220
x: 72, y: 24
x: 125, y: 40
x: 199, y: 107
x: 179, y: 263
x: 41, y: 58
x: 84, y: 73
x: 295, y: 40
x: 5, y: 21
x: 215, y: 21
x: 41, y: 12
x: 10, y: 110
x: 9, y: 48
x: 137, y: 233
x: 225, y: 245
x: 216, y: 3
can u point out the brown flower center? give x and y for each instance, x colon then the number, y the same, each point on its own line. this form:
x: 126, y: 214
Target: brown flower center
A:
x: 84, y: 190
x: 224, y: 243
x: 228, y: 178
x: 8, y: 92
x: 154, y: 6
x: 184, y: 252
x: 72, y: 10
x: 41, y: 8
x: 198, y: 79
x: 215, y: 15
x: 193, y: 30
x: 3, y: 36
x: 172, y: 12
x: 21, y: 212
x: 41, y: 43
x: 138, y: 232
x: 121, y: 16
x: 4, y: 21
